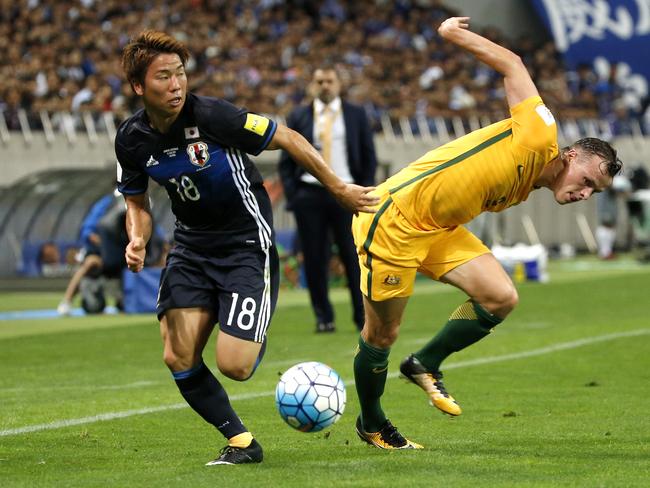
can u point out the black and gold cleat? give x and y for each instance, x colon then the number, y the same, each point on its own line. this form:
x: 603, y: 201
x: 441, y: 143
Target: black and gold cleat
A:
x: 388, y: 437
x: 239, y: 455
x: 431, y: 383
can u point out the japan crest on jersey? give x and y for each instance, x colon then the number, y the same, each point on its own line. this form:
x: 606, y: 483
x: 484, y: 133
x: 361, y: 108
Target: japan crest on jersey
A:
x: 198, y: 153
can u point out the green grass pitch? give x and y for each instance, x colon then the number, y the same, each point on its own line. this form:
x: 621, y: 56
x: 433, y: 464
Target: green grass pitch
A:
x: 557, y: 396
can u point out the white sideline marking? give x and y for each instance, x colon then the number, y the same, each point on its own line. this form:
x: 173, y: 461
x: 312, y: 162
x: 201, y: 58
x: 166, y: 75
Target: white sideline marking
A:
x: 59, y: 424
x: 562, y: 346
x: 127, y: 386
x: 549, y: 349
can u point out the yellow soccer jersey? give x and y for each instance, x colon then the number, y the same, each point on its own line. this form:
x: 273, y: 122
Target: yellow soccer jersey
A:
x: 489, y: 169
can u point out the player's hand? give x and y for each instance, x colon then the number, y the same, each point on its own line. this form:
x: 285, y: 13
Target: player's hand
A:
x: 135, y: 253
x: 357, y: 199
x: 453, y: 24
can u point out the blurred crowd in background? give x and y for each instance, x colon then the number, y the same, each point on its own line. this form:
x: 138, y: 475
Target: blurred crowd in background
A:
x: 65, y: 56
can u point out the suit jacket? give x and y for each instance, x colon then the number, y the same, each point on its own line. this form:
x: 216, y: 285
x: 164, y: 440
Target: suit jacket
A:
x: 360, y: 146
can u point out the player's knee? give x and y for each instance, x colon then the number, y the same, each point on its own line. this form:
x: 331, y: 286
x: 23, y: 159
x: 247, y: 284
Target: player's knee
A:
x: 92, y: 263
x: 171, y: 360
x: 237, y: 372
x: 177, y: 362
x: 503, y: 301
x: 511, y: 299
x: 382, y: 338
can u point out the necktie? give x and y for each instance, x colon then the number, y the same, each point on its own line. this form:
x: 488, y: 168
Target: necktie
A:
x: 327, y: 120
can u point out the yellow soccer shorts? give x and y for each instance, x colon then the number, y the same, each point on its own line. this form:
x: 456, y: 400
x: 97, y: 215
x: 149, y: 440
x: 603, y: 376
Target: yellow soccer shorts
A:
x: 391, y: 251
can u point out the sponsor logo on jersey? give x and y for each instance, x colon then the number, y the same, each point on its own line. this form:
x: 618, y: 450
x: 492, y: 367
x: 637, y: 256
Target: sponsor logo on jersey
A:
x: 152, y: 162
x: 198, y: 153
x: 191, y: 132
x: 392, y: 280
x: 256, y: 123
x: 545, y: 114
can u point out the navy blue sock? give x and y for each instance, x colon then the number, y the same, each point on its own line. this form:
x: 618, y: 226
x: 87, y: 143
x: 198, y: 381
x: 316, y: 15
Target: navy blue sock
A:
x: 207, y: 397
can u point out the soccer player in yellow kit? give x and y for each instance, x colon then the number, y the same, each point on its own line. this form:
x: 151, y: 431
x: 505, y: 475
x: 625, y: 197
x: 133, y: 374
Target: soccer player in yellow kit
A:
x: 418, y: 227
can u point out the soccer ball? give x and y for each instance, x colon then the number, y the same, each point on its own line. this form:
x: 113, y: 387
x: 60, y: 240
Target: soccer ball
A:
x: 310, y: 396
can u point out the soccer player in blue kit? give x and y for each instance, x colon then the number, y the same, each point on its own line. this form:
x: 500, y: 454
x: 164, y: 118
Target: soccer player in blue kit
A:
x: 224, y: 265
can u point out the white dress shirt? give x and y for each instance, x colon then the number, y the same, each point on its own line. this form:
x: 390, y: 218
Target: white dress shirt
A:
x: 339, y: 155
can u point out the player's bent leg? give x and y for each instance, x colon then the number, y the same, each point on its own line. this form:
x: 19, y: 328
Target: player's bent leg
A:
x: 486, y: 283
x: 237, y: 358
x: 185, y: 333
x: 492, y: 297
x: 245, y: 313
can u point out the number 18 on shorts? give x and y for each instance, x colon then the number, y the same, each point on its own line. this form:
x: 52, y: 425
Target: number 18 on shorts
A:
x: 241, y: 288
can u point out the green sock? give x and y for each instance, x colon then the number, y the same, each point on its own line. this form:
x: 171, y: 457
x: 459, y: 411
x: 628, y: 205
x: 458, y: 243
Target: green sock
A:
x: 370, y: 372
x: 468, y: 324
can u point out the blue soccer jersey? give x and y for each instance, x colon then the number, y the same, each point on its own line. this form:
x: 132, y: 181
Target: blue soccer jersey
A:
x: 216, y: 191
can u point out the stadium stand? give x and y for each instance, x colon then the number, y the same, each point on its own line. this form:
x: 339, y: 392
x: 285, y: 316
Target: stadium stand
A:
x: 62, y: 63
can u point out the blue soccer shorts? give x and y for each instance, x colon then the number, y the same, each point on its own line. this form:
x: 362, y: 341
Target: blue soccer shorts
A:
x: 239, y: 286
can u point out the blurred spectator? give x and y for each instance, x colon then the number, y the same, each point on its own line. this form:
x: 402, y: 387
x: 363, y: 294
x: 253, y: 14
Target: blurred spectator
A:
x: 608, y: 212
x: 49, y: 256
x: 619, y: 119
x: 638, y: 206
x: 583, y: 78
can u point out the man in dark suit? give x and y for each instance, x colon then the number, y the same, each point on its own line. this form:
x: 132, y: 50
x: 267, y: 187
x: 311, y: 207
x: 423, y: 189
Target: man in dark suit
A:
x: 341, y: 132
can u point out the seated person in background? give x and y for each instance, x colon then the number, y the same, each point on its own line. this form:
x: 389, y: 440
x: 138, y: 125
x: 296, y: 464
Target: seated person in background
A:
x: 106, y: 238
x: 90, y: 254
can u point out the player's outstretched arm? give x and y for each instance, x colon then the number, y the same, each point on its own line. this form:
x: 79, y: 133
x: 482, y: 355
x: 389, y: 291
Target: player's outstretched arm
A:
x: 138, y: 227
x: 355, y: 198
x: 518, y: 83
